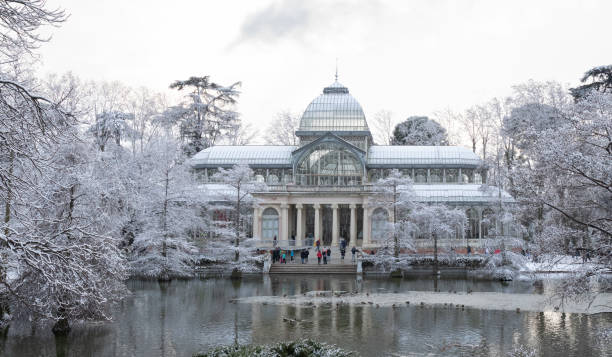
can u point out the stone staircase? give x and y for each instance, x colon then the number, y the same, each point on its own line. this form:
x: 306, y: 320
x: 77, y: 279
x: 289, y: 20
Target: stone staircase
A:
x: 313, y: 269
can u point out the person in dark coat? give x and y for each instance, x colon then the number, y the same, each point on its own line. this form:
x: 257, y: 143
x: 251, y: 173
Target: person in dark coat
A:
x: 353, y: 251
x: 306, y: 254
x: 324, y: 257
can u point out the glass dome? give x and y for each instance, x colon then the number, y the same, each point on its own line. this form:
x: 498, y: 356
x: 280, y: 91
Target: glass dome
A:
x: 334, y: 110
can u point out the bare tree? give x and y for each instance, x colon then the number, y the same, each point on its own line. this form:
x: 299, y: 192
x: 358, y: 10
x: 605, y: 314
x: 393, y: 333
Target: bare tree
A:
x: 241, y: 134
x: 282, y: 129
x: 383, y: 127
x: 19, y: 24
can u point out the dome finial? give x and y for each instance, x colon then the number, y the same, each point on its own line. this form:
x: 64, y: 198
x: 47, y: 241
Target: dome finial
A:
x: 336, y: 69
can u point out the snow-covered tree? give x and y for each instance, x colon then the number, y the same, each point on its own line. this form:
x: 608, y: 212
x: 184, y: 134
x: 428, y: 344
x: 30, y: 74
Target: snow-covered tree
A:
x: 419, y: 130
x: 110, y: 125
x: 396, y: 191
x: 20, y: 22
x: 571, y: 181
x: 57, y: 259
x: 599, y: 78
x: 169, y: 204
x: 208, y: 113
x: 282, y: 129
x: 437, y: 221
x: 242, y: 182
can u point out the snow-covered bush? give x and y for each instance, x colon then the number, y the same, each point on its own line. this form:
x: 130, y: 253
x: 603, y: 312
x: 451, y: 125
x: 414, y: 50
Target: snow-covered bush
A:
x: 303, y: 348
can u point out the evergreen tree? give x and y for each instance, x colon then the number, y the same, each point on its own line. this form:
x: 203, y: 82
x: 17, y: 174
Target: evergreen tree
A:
x: 419, y: 130
x: 207, y: 116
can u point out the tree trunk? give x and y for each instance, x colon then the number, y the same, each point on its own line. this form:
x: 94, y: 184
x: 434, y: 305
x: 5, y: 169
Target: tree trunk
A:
x: 237, y: 222
x: 435, y: 268
x: 61, y: 326
x: 396, y: 249
x: 164, y: 216
x: 9, y: 194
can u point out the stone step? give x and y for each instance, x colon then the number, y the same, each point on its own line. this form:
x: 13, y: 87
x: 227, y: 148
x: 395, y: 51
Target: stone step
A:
x: 313, y: 269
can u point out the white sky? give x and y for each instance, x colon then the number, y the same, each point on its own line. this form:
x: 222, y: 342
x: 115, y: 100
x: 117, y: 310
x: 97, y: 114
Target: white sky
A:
x: 410, y: 57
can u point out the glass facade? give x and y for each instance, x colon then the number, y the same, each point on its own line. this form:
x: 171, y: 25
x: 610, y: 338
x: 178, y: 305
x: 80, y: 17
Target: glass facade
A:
x: 329, y: 164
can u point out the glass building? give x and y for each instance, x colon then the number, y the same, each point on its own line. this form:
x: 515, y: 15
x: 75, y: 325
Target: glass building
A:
x: 322, y: 188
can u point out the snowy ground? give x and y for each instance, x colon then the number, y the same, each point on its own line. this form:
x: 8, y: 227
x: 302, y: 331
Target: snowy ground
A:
x: 425, y: 299
x: 558, y: 264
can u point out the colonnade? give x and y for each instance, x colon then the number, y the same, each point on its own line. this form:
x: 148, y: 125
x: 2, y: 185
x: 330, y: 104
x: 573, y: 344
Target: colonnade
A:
x: 292, y: 221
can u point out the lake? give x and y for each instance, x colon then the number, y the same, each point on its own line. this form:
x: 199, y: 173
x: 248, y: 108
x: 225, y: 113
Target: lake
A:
x: 184, y: 317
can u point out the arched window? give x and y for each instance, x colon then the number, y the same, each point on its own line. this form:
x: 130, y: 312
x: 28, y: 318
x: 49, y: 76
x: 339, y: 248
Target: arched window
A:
x: 272, y: 179
x: 269, y: 224
x: 420, y: 176
x: 381, y: 227
x: 472, y: 228
x: 329, y: 164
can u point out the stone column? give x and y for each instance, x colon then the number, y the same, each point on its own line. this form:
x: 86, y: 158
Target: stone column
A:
x: 353, y: 229
x: 256, y: 230
x: 334, y: 225
x: 317, y: 222
x: 479, y: 223
x: 284, y: 222
x: 299, y: 236
x: 367, y: 239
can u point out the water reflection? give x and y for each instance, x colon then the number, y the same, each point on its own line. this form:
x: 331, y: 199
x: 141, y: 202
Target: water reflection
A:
x: 183, y: 317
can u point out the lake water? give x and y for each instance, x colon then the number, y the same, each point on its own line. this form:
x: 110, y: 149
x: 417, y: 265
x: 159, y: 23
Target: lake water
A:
x: 184, y: 317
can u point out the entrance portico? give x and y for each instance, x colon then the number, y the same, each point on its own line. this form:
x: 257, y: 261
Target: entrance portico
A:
x: 304, y: 218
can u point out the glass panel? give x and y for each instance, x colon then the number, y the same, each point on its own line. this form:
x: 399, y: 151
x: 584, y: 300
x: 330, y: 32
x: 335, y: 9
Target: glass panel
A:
x: 467, y: 175
x: 435, y: 175
x: 329, y: 164
x: 452, y: 175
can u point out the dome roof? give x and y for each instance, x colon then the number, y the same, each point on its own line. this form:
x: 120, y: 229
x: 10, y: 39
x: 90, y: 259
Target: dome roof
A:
x: 334, y: 110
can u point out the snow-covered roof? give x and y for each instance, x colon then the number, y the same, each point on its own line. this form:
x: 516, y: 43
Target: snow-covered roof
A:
x: 254, y: 155
x: 460, y: 193
x: 378, y: 156
x: 392, y: 155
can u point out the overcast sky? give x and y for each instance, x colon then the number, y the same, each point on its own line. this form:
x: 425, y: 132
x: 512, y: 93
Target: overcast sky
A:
x: 409, y: 57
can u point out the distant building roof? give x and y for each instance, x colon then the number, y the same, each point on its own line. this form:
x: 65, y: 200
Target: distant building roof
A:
x: 253, y: 155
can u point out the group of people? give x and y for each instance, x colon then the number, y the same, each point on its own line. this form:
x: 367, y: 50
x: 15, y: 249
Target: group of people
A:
x: 323, y: 254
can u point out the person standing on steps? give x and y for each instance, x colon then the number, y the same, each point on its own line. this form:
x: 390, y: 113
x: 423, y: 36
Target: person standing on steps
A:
x: 306, y: 254
x: 292, y: 255
x: 329, y: 253
x: 324, y: 257
x: 353, y: 251
x: 319, y: 255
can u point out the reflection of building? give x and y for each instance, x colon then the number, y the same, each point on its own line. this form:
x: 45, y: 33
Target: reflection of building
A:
x: 321, y: 188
